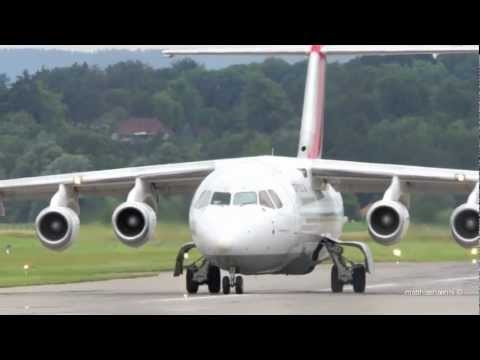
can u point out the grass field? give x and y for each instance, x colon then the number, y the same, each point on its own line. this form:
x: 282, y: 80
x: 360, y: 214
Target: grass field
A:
x: 97, y: 255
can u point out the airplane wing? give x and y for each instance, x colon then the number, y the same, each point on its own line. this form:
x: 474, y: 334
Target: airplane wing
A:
x: 175, y: 178
x: 355, y: 177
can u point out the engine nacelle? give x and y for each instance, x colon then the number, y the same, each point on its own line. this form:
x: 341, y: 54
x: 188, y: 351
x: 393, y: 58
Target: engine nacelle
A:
x: 57, y: 227
x: 134, y: 223
x: 464, y: 226
x: 388, y: 222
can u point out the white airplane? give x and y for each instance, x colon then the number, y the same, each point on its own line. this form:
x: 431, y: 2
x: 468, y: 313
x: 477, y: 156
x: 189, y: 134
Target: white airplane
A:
x: 267, y: 214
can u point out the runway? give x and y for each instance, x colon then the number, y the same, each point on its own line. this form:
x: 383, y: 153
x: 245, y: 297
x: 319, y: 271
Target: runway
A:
x: 437, y: 288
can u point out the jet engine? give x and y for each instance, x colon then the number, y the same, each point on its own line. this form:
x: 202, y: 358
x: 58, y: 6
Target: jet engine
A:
x: 388, y: 222
x: 57, y: 227
x: 464, y: 225
x: 134, y: 223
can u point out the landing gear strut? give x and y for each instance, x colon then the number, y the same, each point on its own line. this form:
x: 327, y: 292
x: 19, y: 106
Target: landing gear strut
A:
x: 232, y: 281
x: 344, y: 271
x: 201, y: 272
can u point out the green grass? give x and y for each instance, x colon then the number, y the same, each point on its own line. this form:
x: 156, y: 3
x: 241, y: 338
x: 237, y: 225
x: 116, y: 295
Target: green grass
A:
x: 97, y: 255
x: 423, y: 243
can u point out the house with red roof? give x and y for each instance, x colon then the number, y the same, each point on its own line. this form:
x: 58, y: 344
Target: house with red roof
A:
x: 141, y: 129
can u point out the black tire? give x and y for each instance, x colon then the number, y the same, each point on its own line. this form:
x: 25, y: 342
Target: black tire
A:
x: 337, y: 284
x: 226, y: 285
x: 192, y: 286
x: 239, y: 285
x: 214, y: 280
x: 359, y: 279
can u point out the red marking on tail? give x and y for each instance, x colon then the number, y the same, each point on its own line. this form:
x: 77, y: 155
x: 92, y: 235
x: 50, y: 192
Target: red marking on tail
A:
x: 317, y: 49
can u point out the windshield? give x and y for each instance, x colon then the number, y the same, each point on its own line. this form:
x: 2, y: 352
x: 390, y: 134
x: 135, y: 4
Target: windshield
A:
x: 245, y: 198
x: 204, y: 200
x: 265, y: 200
x: 276, y: 199
x: 221, y: 199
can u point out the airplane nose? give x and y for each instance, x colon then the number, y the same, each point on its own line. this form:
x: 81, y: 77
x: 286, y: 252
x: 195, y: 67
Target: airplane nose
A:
x: 225, y: 232
x: 220, y: 238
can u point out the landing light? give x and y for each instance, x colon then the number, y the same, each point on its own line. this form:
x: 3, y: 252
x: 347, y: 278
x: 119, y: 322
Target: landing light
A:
x: 475, y: 251
x: 185, y: 256
x: 397, y: 253
x: 77, y: 180
x: 461, y: 178
x: 474, y: 261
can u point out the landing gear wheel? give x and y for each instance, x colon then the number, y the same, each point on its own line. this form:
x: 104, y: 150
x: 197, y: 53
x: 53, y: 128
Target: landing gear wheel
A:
x: 337, y: 284
x: 214, y: 280
x: 226, y: 285
x: 192, y: 286
x: 359, y: 279
x: 239, y: 285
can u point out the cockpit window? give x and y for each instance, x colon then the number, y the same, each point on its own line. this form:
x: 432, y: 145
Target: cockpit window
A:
x: 276, y: 199
x: 265, y: 200
x: 204, y: 200
x: 221, y: 199
x: 245, y: 198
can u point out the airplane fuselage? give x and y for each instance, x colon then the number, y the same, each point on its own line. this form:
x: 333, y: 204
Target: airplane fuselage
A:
x: 262, y: 216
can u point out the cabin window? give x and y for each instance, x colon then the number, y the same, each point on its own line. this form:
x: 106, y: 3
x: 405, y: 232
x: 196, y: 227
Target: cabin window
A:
x: 204, y: 200
x: 276, y: 199
x: 221, y: 199
x: 265, y: 200
x: 245, y: 198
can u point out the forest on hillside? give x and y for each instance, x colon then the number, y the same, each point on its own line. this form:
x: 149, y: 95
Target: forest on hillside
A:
x: 412, y: 111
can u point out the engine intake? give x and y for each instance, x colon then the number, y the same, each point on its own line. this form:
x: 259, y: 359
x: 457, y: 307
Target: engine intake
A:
x: 57, y: 228
x: 465, y: 226
x: 134, y: 223
x: 388, y: 222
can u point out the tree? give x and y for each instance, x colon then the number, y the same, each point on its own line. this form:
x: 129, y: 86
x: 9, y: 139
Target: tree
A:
x: 132, y: 75
x: 265, y: 104
x: 4, y: 80
x: 67, y: 163
x: 400, y: 94
x: 168, y: 110
x: 352, y: 207
x: 258, y: 145
x: 37, y: 157
x: 189, y: 98
x: 3, y: 172
x: 33, y: 97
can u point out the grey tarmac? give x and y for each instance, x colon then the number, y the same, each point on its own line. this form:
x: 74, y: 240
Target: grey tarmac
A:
x: 405, y: 288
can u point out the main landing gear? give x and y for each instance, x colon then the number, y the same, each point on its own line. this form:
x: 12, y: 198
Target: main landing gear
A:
x: 202, y: 272
x: 344, y: 271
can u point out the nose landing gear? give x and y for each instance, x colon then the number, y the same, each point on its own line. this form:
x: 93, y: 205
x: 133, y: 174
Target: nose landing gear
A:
x: 232, y: 281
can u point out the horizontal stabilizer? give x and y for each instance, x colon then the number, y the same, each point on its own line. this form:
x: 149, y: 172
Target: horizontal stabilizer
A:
x: 324, y: 49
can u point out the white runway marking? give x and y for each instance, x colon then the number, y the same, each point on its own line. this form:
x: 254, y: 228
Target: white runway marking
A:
x: 457, y: 279
x: 380, y: 286
x: 191, y: 298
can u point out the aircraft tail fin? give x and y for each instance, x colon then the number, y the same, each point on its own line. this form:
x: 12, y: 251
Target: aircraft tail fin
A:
x: 325, y: 49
